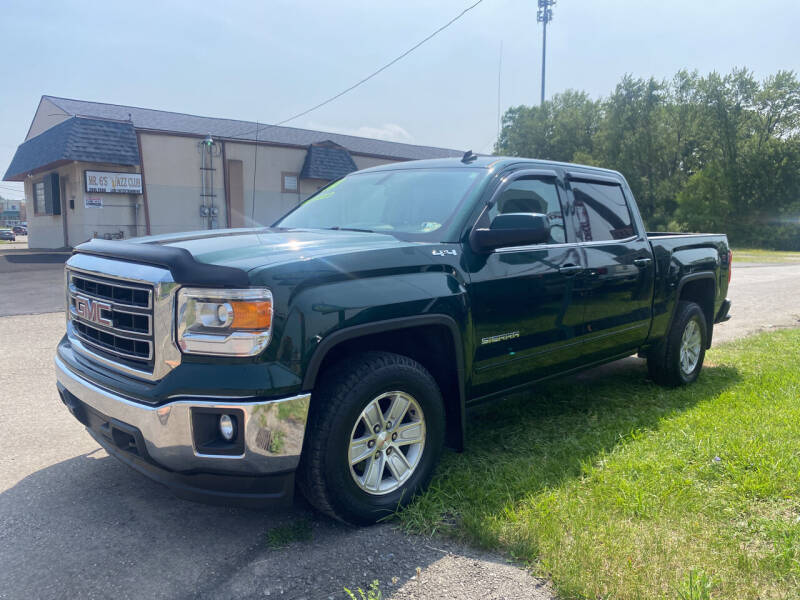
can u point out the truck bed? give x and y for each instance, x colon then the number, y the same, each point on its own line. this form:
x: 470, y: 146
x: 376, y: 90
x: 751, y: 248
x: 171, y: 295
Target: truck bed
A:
x: 673, y: 242
x: 682, y: 257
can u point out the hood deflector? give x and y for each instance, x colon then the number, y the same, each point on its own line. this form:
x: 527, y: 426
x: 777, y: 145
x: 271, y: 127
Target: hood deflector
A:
x: 180, y: 262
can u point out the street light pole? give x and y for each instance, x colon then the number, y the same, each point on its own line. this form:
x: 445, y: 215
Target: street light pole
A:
x: 544, y: 16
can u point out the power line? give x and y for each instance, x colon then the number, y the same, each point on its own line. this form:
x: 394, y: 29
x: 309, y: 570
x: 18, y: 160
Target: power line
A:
x: 355, y: 85
x: 384, y: 67
x: 262, y: 128
x: 265, y: 127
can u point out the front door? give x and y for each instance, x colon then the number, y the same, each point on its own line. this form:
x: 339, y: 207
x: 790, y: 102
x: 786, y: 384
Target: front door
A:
x: 525, y: 320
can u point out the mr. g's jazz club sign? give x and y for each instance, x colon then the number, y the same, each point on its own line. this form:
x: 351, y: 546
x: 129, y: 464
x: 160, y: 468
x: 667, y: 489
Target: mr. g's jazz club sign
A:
x: 113, y: 183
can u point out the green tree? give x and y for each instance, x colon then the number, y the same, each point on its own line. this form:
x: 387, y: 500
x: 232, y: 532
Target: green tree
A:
x: 720, y: 152
x: 633, y: 138
x: 749, y: 181
x: 556, y: 130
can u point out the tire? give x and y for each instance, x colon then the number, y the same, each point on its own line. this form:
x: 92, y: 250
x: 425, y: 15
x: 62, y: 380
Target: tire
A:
x: 669, y: 364
x: 343, y: 407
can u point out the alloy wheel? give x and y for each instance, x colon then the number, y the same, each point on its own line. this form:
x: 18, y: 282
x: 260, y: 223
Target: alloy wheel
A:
x: 691, y: 344
x: 386, y: 443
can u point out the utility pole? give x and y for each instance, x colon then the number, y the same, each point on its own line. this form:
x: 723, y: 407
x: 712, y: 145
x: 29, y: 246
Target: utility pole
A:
x: 544, y: 16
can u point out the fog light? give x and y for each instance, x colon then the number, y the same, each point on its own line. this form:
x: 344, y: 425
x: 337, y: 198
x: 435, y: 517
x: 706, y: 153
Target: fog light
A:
x: 226, y: 427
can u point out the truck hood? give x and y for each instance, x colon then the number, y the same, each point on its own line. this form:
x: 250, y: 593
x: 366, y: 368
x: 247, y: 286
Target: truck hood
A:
x: 247, y: 249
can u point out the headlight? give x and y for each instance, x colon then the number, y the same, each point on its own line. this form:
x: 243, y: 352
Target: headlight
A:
x: 224, y: 322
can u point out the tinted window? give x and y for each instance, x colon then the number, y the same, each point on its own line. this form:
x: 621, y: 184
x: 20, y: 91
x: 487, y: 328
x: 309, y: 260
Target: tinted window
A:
x: 601, y: 212
x: 526, y: 195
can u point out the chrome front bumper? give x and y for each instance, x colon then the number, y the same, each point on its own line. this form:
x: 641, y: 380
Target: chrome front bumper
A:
x: 273, y: 429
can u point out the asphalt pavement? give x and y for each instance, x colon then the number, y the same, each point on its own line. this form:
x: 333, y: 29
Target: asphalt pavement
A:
x: 76, y: 523
x: 764, y: 297
x: 31, y: 281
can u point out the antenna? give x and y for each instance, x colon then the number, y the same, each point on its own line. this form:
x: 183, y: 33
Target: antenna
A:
x: 544, y: 16
x: 499, y: 75
x: 468, y: 157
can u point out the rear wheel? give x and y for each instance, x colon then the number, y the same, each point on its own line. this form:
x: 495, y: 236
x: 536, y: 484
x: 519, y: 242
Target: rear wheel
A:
x: 374, y: 436
x: 678, y: 359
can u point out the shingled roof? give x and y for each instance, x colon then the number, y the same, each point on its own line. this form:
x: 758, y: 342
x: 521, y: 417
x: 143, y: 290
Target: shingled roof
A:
x: 328, y: 161
x: 86, y: 140
x: 160, y: 120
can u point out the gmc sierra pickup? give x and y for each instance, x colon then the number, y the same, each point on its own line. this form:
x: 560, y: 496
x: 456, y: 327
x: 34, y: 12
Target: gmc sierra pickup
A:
x: 344, y: 344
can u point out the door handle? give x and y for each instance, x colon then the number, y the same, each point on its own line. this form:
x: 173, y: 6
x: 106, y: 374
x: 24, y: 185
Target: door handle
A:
x: 570, y: 269
x: 642, y: 262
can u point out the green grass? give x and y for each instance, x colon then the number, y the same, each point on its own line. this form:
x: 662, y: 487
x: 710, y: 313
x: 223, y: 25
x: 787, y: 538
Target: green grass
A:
x: 283, y: 536
x: 277, y: 441
x: 373, y: 592
x: 756, y: 255
x: 617, y: 488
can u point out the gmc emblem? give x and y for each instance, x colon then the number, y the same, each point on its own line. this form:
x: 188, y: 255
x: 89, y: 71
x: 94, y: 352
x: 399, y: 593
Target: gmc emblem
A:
x: 92, y: 310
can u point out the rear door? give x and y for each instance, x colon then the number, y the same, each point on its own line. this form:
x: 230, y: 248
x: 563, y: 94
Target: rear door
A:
x: 523, y: 312
x: 616, y: 286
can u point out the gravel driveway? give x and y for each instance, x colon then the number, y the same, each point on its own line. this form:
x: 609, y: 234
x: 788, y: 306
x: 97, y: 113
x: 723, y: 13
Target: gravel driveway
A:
x: 76, y: 523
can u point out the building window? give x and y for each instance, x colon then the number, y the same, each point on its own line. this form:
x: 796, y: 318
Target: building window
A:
x: 47, y: 195
x: 289, y: 182
x: 39, y: 206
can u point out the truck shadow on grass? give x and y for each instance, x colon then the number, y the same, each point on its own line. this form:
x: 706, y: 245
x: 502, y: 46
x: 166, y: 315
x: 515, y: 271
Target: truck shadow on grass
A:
x: 540, y: 439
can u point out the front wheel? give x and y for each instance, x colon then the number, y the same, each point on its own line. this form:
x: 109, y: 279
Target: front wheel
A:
x: 374, y: 437
x: 679, y: 357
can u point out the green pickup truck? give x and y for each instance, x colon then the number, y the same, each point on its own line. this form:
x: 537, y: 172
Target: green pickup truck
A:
x: 340, y: 348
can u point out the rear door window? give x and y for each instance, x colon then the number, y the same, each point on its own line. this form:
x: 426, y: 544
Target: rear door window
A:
x: 601, y: 212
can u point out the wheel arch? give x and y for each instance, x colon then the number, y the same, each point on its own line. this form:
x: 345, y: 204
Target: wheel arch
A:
x: 434, y: 341
x: 701, y: 289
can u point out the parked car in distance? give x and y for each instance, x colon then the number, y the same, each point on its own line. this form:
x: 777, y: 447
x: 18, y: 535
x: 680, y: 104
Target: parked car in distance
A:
x: 7, y: 235
x: 20, y: 230
x: 344, y: 343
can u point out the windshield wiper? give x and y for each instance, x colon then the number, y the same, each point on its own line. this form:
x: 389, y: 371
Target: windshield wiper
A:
x: 337, y: 228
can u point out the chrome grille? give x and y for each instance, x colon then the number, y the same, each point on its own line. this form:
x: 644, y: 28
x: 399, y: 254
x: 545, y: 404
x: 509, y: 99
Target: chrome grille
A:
x: 112, y: 317
x: 120, y: 294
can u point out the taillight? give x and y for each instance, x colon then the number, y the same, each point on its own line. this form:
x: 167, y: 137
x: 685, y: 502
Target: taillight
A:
x: 730, y: 265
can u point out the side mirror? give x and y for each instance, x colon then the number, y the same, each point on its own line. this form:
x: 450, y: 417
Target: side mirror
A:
x: 511, y: 229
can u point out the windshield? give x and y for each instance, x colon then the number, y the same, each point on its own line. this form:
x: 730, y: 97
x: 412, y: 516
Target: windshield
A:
x: 411, y: 203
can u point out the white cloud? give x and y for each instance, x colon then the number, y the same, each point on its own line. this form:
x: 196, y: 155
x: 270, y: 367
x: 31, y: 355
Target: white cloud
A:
x: 391, y: 132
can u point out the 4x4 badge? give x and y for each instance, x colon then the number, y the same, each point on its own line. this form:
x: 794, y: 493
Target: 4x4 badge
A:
x: 444, y: 252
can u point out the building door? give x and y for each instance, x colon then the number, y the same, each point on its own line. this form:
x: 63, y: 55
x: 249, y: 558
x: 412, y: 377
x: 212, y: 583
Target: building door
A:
x: 235, y: 193
x: 62, y: 191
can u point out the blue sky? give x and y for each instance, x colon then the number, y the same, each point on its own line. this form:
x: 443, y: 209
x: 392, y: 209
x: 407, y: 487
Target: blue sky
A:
x: 269, y: 60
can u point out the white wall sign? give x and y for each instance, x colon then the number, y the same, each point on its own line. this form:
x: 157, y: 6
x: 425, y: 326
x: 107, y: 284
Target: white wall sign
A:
x: 113, y: 183
x: 93, y: 201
